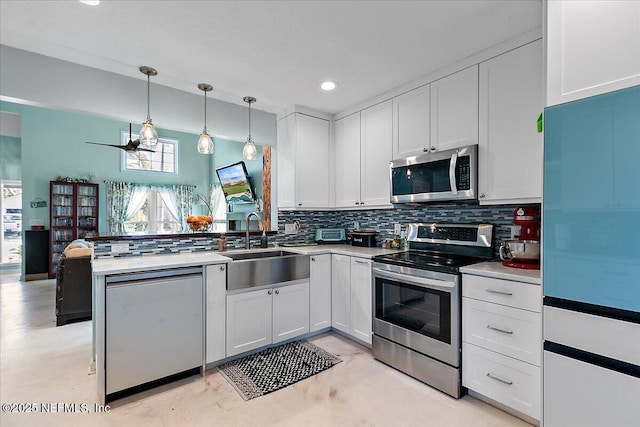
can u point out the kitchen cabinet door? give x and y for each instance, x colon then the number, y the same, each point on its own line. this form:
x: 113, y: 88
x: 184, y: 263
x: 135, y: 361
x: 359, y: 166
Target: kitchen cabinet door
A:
x: 320, y: 292
x: 215, y: 319
x: 347, y: 161
x: 375, y: 154
x: 249, y: 321
x: 302, y: 162
x: 290, y: 311
x: 510, y: 148
x: 604, y: 58
x: 341, y: 292
x: 361, y: 299
x: 312, y: 162
x: 286, y: 162
x: 454, y: 110
x: 411, y: 123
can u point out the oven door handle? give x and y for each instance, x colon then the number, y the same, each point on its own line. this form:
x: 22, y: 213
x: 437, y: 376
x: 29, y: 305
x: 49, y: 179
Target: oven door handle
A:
x: 410, y: 279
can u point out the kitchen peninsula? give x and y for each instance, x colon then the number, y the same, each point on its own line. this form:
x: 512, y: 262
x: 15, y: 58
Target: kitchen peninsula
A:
x: 183, y: 299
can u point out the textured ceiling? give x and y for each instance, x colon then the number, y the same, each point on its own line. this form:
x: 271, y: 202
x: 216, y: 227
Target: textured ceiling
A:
x: 277, y: 51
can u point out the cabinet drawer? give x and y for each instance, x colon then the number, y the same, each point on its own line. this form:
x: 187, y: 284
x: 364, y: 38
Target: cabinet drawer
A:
x: 509, y: 381
x: 506, y: 330
x: 505, y: 292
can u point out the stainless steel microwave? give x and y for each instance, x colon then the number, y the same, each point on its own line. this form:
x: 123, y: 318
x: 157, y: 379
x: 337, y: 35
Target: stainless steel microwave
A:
x: 439, y: 176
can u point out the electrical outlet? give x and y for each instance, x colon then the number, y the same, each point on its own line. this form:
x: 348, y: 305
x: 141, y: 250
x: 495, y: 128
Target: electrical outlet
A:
x: 118, y: 248
x: 290, y: 229
x: 356, y: 226
x: 397, y: 229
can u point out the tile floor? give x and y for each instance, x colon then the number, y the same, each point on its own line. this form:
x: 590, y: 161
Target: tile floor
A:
x: 41, y: 363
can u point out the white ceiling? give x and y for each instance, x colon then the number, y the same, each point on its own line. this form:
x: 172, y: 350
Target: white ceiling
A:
x: 277, y: 51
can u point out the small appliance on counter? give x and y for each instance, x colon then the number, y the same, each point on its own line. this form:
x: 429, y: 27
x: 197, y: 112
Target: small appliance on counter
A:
x: 331, y: 235
x: 524, y: 252
x: 366, y: 239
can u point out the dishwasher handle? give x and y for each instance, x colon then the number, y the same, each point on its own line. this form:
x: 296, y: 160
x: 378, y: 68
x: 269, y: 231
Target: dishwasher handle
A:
x: 155, y: 274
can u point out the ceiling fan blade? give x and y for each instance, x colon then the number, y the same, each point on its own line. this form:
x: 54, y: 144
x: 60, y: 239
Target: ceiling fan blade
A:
x: 144, y: 149
x: 106, y: 145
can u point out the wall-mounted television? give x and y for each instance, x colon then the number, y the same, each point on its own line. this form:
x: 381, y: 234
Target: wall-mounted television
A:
x: 236, y: 184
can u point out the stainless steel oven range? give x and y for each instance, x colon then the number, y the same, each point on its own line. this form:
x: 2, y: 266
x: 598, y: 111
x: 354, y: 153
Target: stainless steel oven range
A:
x: 417, y: 301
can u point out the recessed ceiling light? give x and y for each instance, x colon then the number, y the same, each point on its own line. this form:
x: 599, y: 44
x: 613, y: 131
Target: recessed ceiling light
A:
x: 328, y: 85
x: 90, y: 2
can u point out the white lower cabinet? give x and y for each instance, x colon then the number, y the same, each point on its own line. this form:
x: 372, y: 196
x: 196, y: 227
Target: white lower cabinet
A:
x: 215, y: 319
x: 320, y: 292
x: 502, y: 338
x: 361, y: 299
x: 266, y: 316
x: 351, y: 296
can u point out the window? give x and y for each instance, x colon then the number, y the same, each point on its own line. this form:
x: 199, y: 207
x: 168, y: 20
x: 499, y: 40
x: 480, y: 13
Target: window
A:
x: 163, y: 160
x: 152, y: 218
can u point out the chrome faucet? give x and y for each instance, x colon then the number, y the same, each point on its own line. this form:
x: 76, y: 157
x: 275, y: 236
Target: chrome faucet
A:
x: 248, y: 245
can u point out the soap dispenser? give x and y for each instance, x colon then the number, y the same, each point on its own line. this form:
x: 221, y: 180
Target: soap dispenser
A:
x: 263, y: 240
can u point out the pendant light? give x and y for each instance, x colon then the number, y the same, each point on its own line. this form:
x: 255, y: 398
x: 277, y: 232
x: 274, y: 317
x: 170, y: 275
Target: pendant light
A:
x: 148, y: 133
x: 205, y: 143
x: 249, y: 152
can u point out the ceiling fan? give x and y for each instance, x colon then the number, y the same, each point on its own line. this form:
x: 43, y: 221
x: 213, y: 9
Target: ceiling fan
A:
x: 131, y: 145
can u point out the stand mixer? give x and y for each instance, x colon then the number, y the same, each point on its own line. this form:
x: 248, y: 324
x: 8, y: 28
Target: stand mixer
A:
x: 524, y: 252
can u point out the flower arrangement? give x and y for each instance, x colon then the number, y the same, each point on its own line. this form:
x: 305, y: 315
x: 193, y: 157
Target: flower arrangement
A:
x: 199, y: 222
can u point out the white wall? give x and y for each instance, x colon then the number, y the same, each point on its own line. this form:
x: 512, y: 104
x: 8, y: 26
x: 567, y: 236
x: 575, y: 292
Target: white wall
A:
x: 27, y: 77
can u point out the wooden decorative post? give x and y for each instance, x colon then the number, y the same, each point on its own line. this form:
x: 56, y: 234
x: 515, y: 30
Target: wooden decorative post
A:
x: 266, y: 187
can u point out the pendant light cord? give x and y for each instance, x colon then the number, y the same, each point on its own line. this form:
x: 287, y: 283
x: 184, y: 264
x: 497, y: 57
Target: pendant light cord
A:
x: 250, y: 120
x: 205, y: 110
x: 148, y: 97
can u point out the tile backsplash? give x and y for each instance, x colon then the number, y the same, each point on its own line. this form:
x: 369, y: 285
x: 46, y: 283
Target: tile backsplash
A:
x: 381, y: 220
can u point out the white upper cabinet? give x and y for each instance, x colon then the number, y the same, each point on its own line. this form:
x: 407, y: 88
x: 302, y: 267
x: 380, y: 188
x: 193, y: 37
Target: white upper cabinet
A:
x: 347, y: 161
x: 454, y: 110
x: 303, y: 162
x: 510, y: 147
x: 363, y: 146
x: 286, y: 162
x: 411, y: 123
x: 592, y: 47
x: 375, y: 154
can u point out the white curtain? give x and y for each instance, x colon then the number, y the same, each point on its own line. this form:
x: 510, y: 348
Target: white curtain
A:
x: 138, y: 197
x: 168, y: 196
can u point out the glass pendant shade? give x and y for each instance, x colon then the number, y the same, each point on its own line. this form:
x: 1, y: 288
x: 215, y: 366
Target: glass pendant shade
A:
x: 249, y: 152
x: 148, y: 134
x: 205, y: 143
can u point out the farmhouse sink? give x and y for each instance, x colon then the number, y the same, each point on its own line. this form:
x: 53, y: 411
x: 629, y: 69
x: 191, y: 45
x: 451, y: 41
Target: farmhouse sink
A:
x: 253, y: 269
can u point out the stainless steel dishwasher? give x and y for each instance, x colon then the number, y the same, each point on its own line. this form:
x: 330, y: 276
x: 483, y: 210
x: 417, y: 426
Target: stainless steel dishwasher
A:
x: 154, y: 324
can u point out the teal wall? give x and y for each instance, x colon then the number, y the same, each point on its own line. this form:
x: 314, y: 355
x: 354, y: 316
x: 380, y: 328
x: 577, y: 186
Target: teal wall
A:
x: 53, y: 144
x: 10, y: 153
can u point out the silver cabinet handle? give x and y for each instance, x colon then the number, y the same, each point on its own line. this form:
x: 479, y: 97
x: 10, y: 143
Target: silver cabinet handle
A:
x: 504, y: 331
x: 277, y: 292
x: 313, y: 258
x: 362, y: 203
x: 361, y: 262
x: 299, y: 204
x: 497, y: 378
x: 425, y: 149
x: 222, y: 268
x: 499, y: 292
x: 269, y: 292
x: 482, y: 196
